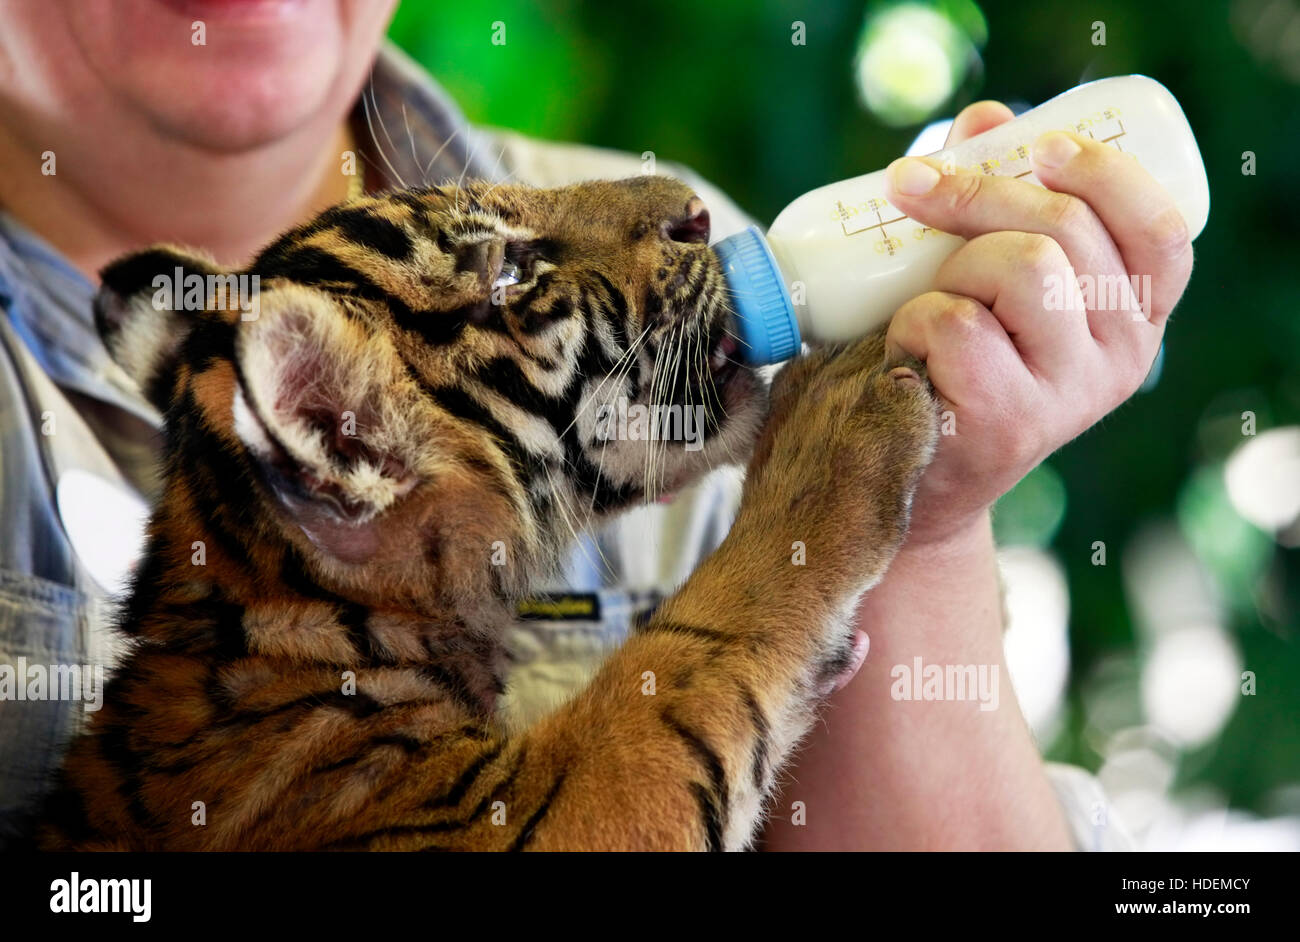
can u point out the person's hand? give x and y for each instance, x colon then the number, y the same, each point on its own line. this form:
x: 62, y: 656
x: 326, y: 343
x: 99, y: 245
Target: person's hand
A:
x: 1020, y: 376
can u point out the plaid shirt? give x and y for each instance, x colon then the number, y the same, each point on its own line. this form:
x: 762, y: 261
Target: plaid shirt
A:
x: 78, y: 445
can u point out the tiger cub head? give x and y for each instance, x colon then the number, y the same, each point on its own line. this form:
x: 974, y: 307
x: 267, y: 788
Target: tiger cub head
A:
x: 437, y: 387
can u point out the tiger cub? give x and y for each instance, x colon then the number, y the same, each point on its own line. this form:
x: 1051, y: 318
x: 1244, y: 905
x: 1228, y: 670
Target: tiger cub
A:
x: 385, y: 455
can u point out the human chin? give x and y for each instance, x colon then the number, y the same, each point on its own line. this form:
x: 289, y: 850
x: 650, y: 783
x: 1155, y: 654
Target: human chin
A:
x: 222, y: 74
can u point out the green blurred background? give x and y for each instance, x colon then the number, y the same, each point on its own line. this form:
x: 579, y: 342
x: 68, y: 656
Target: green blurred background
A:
x: 1200, y: 580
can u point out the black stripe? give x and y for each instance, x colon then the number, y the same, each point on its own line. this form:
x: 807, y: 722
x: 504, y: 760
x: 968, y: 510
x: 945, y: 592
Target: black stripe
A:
x: 454, y: 683
x: 709, y: 816
x: 160, y: 386
x: 416, y: 199
x: 530, y: 826
x: 213, y: 515
x: 295, y: 576
x: 460, y: 404
x: 459, y: 788
x: 214, y: 627
x: 308, y: 265
x: 654, y: 306
x: 618, y: 316
x: 534, y: 319
x: 534, y: 294
x: 604, y: 495
x: 146, y: 589
x: 661, y: 625
x: 115, y: 749
x: 365, y: 839
x: 595, y: 362
x: 211, y: 628
x: 713, y: 800
x: 359, y: 225
x: 761, y: 733
x: 504, y: 377
x: 220, y: 476
x: 336, y: 766
x: 509, y: 781
x: 354, y: 618
x: 359, y: 705
x: 436, y: 328
x: 584, y: 303
x: 438, y: 827
x: 409, y: 744
x: 619, y: 320
x: 493, y: 796
x: 312, y: 266
x: 135, y: 272
x: 175, y: 766
x: 210, y: 340
x: 476, y: 732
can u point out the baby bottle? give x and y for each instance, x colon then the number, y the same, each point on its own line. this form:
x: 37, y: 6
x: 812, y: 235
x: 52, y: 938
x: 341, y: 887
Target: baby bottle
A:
x: 839, y: 260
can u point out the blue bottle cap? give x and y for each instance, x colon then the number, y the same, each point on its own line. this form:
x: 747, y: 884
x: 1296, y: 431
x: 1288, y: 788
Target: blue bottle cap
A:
x: 765, y: 320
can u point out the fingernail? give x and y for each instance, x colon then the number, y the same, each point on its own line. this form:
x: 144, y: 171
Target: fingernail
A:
x: 905, y: 374
x: 913, y: 177
x: 1054, y: 149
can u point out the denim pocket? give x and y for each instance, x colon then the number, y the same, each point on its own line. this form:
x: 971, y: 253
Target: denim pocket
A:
x: 43, y: 623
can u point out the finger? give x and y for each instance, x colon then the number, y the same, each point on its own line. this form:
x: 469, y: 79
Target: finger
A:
x: 969, y: 358
x: 971, y: 204
x: 976, y: 119
x: 1026, y: 281
x: 1144, y: 222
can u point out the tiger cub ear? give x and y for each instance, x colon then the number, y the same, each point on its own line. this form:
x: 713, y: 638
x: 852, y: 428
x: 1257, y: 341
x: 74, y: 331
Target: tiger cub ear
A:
x: 147, y: 304
x: 328, y: 409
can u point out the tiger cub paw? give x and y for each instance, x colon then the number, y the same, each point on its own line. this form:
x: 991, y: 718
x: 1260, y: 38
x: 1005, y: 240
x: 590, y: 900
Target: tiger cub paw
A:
x: 838, y: 461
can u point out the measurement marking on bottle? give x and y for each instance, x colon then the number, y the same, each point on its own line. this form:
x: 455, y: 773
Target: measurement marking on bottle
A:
x: 1114, y: 137
x: 889, y: 244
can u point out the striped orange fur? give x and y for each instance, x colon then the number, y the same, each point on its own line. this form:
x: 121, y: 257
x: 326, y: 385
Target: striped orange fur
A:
x: 364, y: 478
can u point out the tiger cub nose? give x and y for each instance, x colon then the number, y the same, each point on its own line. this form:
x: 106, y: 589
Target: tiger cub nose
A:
x: 691, y: 226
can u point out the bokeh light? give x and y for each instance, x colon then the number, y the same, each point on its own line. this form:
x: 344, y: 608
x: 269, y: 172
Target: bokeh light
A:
x: 1263, y: 481
x: 1191, y: 670
x: 1191, y: 683
x: 912, y: 57
x: 1037, y: 601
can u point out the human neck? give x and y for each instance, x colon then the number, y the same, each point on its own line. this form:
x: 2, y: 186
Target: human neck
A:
x: 112, y: 193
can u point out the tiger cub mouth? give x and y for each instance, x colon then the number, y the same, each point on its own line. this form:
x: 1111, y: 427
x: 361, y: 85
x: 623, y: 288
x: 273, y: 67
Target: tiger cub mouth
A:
x: 723, y: 365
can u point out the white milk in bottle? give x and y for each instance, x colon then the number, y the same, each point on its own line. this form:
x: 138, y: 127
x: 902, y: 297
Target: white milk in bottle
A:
x: 840, y: 260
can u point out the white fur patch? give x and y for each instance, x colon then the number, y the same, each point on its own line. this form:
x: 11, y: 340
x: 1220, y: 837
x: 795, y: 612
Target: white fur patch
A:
x: 305, y: 362
x: 143, y: 339
x: 248, y: 428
